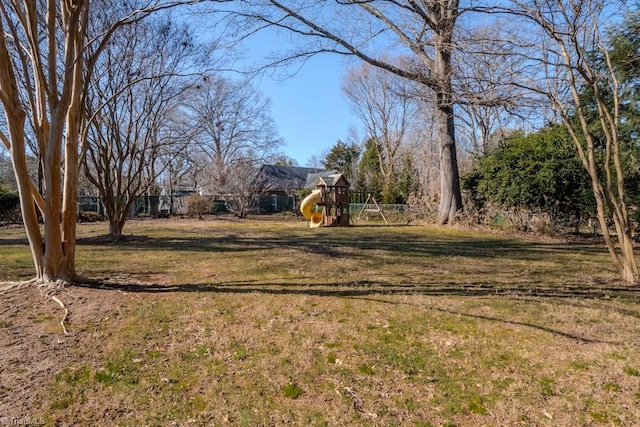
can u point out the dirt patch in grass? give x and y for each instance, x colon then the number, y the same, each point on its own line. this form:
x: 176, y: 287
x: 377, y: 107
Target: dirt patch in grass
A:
x: 34, y: 348
x: 259, y: 323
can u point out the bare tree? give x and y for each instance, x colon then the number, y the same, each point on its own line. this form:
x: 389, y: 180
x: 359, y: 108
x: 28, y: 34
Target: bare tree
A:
x: 182, y: 167
x: 48, y: 52
x: 422, y: 144
x: 571, y: 56
x: 56, y: 104
x: 315, y: 161
x: 387, y: 112
x: 488, y: 102
x: 243, y: 187
x: 133, y: 108
x: 234, y: 128
x: 424, y: 30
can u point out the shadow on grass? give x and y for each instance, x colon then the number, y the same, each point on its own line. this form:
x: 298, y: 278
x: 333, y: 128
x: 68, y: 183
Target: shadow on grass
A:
x: 376, y: 291
x: 406, y: 244
x: 367, y: 288
x: 369, y: 241
x: 482, y: 317
x: 332, y: 243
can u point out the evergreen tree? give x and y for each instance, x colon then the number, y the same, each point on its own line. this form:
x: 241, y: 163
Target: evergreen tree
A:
x: 406, y: 182
x: 370, y: 179
x: 343, y: 157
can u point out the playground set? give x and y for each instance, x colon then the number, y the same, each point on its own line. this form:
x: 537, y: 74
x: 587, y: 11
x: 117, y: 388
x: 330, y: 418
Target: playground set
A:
x: 332, y: 194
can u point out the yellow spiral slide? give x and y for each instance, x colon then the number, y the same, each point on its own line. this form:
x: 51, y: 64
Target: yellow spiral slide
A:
x: 306, y: 207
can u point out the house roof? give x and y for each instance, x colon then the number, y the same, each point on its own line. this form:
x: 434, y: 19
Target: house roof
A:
x: 287, y: 177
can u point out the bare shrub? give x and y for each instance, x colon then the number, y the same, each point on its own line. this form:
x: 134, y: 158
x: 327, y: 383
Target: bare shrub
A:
x: 514, y: 219
x: 542, y: 223
x: 421, y: 207
x: 90, y: 216
x: 198, y: 205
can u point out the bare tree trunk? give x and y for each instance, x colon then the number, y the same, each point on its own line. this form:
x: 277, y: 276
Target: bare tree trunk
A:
x: 115, y: 227
x: 70, y: 195
x: 46, y: 57
x: 624, y: 261
x: 426, y: 28
x: 450, y: 195
x: 53, y: 261
x: 55, y: 98
x: 118, y: 214
x: 30, y: 218
x: 16, y: 115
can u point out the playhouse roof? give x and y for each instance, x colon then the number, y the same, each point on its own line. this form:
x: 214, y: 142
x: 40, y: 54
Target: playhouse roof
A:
x: 332, y: 179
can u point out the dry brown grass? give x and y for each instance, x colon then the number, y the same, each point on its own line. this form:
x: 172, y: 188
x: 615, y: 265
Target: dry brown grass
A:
x: 270, y: 323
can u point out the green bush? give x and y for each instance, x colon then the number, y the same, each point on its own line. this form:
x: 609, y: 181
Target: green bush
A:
x: 539, y: 172
x: 9, y: 205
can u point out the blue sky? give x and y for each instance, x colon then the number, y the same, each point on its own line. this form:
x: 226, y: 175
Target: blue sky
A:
x: 308, y: 107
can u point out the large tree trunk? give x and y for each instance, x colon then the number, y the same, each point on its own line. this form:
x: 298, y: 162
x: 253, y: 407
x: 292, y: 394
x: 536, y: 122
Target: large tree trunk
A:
x: 450, y: 195
x: 51, y: 264
x: 55, y: 99
x: 54, y: 260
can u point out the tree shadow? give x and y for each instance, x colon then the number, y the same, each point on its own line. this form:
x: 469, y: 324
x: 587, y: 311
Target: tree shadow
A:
x: 369, y: 287
x: 370, y: 241
x: 21, y: 241
x: 376, y: 291
x: 482, y: 317
x: 331, y: 244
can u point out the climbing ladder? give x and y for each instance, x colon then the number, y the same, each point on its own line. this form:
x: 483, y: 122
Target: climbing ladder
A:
x: 373, y: 208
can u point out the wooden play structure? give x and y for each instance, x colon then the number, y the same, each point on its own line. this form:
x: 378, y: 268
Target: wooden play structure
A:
x: 370, y: 205
x: 332, y: 194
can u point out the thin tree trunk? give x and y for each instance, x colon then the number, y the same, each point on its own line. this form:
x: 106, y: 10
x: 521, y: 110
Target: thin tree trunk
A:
x: 53, y: 261
x: 16, y: 115
x: 23, y: 181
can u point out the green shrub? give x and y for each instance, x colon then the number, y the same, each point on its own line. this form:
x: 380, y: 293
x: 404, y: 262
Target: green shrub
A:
x: 9, y: 205
x: 539, y: 172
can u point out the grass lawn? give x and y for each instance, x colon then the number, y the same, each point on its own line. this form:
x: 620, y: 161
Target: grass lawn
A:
x: 267, y: 322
